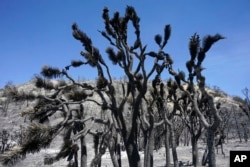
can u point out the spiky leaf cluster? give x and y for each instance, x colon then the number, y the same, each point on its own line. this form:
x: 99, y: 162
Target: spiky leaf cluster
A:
x: 209, y: 40
x: 10, y: 157
x: 42, y: 110
x: 68, y: 150
x: 91, y: 53
x: 198, y: 52
x: 116, y: 27
x: 81, y: 36
x: 47, y: 84
x: 167, y: 33
x: 194, y: 46
x: 92, y: 57
x: 158, y: 38
x: 51, y: 72
x: 114, y: 57
x: 132, y: 15
x: 76, y: 63
x: 40, y: 136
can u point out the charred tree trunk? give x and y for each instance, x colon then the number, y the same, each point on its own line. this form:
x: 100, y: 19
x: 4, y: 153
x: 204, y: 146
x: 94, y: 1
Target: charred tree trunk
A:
x: 211, y: 147
x: 113, y: 155
x: 132, y: 153
x: 118, y: 151
x: 130, y: 142
x: 237, y: 127
x: 76, y: 159
x: 195, y: 155
x: 195, y: 131
x: 167, y: 146
x: 148, y: 153
x: 173, y: 142
x: 83, y: 152
x: 187, y: 138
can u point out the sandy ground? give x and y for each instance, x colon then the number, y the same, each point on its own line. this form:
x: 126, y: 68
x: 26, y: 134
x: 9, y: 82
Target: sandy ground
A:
x: 184, y: 155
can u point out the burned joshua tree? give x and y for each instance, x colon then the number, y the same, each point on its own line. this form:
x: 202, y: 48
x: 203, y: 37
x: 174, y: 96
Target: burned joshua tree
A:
x: 128, y: 109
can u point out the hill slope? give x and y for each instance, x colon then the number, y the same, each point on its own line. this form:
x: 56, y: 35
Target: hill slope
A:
x: 12, y: 122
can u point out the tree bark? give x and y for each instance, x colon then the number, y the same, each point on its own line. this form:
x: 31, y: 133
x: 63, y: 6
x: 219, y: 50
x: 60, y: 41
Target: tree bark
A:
x: 112, y: 150
x: 118, y: 151
x: 83, y: 152
x: 167, y: 147
x: 195, y: 155
x: 148, y: 153
x: 113, y: 157
x: 238, y: 128
x: 133, y: 153
x: 174, y: 152
x: 130, y: 136
x: 211, y: 149
x: 76, y: 159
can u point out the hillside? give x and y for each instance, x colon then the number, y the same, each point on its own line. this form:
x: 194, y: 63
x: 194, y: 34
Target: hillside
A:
x: 238, y: 125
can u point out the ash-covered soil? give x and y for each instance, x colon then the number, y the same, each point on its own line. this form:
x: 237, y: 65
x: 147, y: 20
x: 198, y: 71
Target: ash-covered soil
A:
x: 184, y: 155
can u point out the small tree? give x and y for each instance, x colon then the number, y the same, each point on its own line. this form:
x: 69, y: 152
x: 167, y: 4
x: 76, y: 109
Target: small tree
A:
x: 9, y: 95
x: 202, y: 102
x: 4, y: 136
x: 195, y: 128
x: 12, y: 94
x: 199, y: 105
x: 245, y: 106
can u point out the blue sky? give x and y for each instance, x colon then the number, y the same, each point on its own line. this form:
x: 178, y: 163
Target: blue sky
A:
x: 35, y: 33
